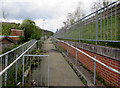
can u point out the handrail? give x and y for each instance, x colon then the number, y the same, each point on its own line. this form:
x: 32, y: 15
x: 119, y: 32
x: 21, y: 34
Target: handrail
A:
x: 15, y: 48
x: 115, y: 41
x: 112, y: 69
x: 4, y: 70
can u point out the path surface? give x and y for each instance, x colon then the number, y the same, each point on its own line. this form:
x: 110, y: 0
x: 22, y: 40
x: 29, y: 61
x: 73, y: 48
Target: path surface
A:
x: 60, y: 73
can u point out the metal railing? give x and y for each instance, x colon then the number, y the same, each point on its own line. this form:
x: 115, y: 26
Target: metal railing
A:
x: 100, y: 25
x: 93, y: 58
x: 39, y: 68
x: 11, y: 64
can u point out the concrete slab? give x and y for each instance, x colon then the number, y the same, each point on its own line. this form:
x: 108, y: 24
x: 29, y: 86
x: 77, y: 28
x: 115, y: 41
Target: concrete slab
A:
x: 61, y: 74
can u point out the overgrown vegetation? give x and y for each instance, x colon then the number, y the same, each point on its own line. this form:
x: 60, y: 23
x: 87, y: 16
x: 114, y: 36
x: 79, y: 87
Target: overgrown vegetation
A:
x: 11, y: 72
x: 8, y: 49
x: 31, y: 30
x: 35, y: 60
x: 6, y: 27
x: 107, y: 30
x: 48, y: 33
x: 11, y: 78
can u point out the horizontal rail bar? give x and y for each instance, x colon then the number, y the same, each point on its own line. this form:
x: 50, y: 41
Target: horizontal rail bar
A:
x: 4, y: 70
x: 95, y: 12
x: 115, y: 41
x: 37, y: 55
x: 15, y: 48
x: 92, y: 57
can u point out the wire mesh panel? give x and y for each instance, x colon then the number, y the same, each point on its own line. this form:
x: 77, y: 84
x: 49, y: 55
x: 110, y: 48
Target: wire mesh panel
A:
x: 99, y: 25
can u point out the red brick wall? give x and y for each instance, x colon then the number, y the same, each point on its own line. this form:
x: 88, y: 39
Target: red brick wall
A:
x: 16, y: 32
x: 109, y: 76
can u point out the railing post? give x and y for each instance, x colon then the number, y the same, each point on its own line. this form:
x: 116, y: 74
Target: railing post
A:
x: 16, y: 71
x: 0, y: 70
x: 48, y: 71
x: 94, y: 71
x: 6, y: 63
x: 41, y: 79
x: 30, y: 62
x: 37, y: 44
x: 76, y: 56
x: 23, y: 71
x: 96, y: 26
x: 67, y: 50
x: 22, y: 49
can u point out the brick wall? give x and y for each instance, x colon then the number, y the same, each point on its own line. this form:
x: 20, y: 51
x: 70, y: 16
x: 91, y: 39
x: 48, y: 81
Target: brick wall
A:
x: 109, y: 76
x: 102, y: 50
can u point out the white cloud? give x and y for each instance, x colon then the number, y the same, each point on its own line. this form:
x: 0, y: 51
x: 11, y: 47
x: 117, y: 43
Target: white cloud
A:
x: 53, y: 11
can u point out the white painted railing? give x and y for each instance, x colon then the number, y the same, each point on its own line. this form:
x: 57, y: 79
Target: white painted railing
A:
x: 93, y: 58
x: 11, y: 63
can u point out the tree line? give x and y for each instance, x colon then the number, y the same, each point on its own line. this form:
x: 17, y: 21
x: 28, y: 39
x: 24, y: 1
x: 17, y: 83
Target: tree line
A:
x: 79, y: 13
x: 31, y: 30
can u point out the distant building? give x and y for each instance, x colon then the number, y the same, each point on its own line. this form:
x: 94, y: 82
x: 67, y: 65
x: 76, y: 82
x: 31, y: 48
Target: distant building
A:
x: 16, y: 32
x: 15, y: 35
x: 5, y: 42
x: 9, y: 41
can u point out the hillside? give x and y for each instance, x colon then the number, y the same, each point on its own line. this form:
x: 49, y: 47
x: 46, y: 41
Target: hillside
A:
x: 6, y: 27
x: 48, y: 33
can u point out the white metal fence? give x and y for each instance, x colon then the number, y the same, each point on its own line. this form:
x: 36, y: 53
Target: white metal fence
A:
x: 11, y: 64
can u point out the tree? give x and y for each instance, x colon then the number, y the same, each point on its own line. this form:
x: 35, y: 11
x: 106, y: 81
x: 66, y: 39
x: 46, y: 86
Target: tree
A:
x: 105, y: 2
x: 99, y: 3
x: 37, y: 33
x: 76, y: 15
x: 70, y: 19
x: 28, y: 27
x: 96, y: 5
x: 31, y: 31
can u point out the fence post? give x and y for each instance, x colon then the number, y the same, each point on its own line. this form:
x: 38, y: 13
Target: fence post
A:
x: 6, y: 63
x: 67, y: 50
x: 48, y: 71
x: 76, y: 56
x: 16, y: 71
x: 94, y: 71
x: 23, y: 71
x: 0, y: 70
x: 37, y: 44
x: 96, y: 26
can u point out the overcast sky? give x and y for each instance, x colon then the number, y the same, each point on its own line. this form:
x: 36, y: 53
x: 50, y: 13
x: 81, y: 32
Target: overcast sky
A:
x: 53, y: 11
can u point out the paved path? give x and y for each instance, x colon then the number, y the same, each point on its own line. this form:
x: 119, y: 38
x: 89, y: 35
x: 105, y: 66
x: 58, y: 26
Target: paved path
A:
x: 61, y: 74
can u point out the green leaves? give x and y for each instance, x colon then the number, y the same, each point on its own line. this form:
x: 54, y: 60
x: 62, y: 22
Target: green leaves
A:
x: 6, y: 28
x: 31, y: 31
